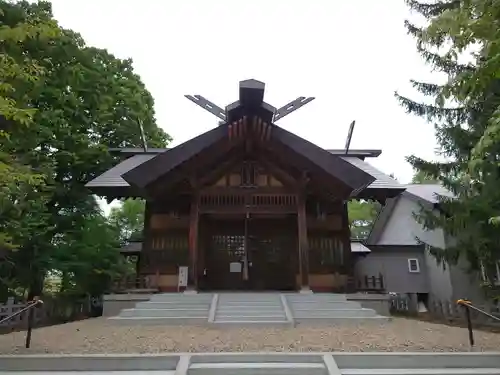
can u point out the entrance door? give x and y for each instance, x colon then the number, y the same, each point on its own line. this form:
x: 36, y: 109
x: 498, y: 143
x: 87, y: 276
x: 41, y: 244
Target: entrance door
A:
x: 225, y: 254
x: 271, y: 251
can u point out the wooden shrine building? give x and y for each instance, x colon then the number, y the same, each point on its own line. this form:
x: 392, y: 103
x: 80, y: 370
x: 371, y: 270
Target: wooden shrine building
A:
x: 247, y: 205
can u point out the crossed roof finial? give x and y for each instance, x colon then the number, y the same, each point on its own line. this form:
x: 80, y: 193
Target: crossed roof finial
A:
x: 251, y: 97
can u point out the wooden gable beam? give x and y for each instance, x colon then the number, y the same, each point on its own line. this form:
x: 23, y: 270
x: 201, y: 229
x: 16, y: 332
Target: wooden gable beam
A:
x: 203, y: 161
x: 220, y: 170
x: 284, y: 177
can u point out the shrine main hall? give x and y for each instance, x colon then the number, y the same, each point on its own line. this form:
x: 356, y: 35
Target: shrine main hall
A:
x: 247, y: 205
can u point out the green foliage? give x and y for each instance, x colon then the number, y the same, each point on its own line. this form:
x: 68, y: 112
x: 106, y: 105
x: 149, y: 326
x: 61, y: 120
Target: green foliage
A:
x: 62, y: 104
x: 465, y: 130
x: 88, y: 258
x: 421, y: 177
x: 362, y: 214
x: 128, y: 218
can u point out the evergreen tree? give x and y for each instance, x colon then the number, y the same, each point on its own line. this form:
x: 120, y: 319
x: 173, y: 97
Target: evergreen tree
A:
x: 459, y: 127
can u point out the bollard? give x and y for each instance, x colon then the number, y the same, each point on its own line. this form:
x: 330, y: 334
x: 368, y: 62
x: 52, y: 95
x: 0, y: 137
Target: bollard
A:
x: 466, y: 305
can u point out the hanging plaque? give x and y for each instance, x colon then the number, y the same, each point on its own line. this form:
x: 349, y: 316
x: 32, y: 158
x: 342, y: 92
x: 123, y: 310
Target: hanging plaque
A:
x: 235, y: 267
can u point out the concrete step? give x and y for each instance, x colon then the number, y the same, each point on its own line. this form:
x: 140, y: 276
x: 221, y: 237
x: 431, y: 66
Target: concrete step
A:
x: 163, y: 313
x: 250, y: 312
x: 421, y: 360
x: 315, y: 297
x: 325, y: 305
x: 354, y: 313
x: 341, y: 320
x: 181, y: 298
x: 251, y: 307
x: 252, y: 368
x: 89, y: 363
x: 340, y: 363
x: 248, y: 318
x: 171, y: 305
x: 423, y: 371
x: 251, y: 324
x: 165, y: 320
x: 77, y: 372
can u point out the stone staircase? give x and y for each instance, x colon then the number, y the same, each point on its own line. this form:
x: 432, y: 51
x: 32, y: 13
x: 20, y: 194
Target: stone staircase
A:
x: 328, y: 308
x: 168, y: 308
x: 256, y: 363
x: 250, y: 308
x: 246, y: 308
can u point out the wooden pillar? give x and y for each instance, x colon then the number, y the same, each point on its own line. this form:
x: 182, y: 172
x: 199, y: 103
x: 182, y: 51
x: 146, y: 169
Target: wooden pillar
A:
x: 348, y: 258
x: 303, y: 242
x: 146, y: 241
x: 194, y: 218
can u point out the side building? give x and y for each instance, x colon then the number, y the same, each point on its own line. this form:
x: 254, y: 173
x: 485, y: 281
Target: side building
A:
x: 404, y: 263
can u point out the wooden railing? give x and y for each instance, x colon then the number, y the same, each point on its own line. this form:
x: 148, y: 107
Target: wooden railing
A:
x: 365, y: 283
x: 253, y: 202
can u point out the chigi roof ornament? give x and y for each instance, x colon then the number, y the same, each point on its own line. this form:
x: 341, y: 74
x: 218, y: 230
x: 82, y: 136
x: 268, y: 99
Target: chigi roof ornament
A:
x: 251, y: 100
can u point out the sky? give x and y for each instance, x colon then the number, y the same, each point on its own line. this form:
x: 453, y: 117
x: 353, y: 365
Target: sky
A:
x: 350, y: 55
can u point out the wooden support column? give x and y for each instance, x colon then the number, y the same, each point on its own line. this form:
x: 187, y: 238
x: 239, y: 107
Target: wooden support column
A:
x: 144, y: 264
x: 194, y: 218
x: 303, y: 242
x: 348, y: 258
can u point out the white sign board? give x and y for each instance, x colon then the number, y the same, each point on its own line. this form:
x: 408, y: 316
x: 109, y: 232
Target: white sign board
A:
x: 235, y: 267
x: 183, y: 276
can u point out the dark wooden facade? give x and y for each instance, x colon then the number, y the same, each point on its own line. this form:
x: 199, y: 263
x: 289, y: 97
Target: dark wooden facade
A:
x: 272, y: 226
x: 247, y: 205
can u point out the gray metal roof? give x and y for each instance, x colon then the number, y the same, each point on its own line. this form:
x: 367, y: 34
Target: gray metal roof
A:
x: 382, y: 180
x: 428, y: 192
x: 358, y: 247
x: 113, y: 176
x: 132, y: 247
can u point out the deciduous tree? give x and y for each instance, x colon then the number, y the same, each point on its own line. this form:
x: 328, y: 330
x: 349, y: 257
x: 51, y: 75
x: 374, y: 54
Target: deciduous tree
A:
x: 129, y: 219
x: 62, y: 104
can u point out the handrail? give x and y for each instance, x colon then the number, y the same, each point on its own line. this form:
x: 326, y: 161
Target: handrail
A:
x: 467, y: 305
x: 36, y: 301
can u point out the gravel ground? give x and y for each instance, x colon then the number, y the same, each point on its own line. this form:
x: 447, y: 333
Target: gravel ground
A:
x: 99, y: 336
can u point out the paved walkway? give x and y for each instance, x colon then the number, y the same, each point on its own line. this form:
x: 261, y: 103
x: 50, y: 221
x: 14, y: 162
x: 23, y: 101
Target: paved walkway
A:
x: 258, y: 363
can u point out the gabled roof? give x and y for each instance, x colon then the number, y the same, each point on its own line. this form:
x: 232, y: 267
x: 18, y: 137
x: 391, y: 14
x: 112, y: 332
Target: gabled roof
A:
x: 422, y: 193
x: 382, y: 183
x: 113, y: 177
x: 149, y: 171
x: 248, y: 124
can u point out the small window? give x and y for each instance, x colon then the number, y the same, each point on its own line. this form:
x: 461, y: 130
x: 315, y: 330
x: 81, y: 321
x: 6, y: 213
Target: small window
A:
x: 413, y: 265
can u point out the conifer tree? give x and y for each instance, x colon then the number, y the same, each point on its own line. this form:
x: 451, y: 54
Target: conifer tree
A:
x: 461, y: 120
